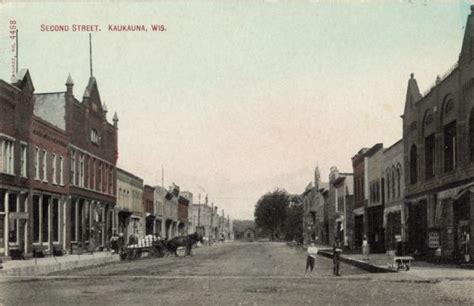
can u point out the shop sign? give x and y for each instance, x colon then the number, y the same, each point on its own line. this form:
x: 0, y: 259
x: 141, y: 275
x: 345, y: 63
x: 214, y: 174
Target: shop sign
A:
x: 433, y: 240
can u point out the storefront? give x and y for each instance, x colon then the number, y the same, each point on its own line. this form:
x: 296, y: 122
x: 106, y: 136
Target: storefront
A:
x: 13, y: 221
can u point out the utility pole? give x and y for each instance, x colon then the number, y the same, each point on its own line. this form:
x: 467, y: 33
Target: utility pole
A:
x: 90, y: 52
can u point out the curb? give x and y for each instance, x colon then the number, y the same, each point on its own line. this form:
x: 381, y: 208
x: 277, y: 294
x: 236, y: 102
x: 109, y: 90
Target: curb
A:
x: 42, y: 269
x: 357, y: 263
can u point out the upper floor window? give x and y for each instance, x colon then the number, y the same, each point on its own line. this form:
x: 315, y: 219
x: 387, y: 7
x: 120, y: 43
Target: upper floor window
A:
x: 399, y: 178
x: 24, y: 158
x: 61, y: 171
x: 45, y: 166
x: 413, y: 165
x: 388, y: 184
x: 95, y: 136
x: 7, y: 159
x: 55, y: 169
x: 450, y: 147
x: 429, y: 156
x: 37, y: 161
x: 73, y: 168
x: 471, y: 135
x: 81, y: 170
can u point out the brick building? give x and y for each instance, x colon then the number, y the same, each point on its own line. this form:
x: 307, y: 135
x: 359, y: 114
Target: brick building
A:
x: 57, y: 167
x: 438, y: 138
x: 148, y: 206
x: 159, y: 207
x: 130, y: 210
x: 375, y: 204
x: 182, y: 214
x: 48, y: 185
x: 16, y: 108
x: 314, y: 227
x: 360, y: 198
x: 201, y: 216
x: 340, y: 203
x: 394, y: 192
x: 93, y: 154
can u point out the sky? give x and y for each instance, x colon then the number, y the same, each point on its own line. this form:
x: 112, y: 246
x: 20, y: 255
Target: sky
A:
x: 238, y: 98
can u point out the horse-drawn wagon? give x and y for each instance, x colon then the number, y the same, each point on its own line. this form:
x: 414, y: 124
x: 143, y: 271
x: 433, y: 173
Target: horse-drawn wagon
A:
x: 150, y: 245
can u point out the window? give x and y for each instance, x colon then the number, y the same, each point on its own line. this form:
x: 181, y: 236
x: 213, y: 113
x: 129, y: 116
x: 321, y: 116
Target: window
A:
x: 55, y: 219
x: 94, y: 136
x: 99, y: 176
x: 388, y: 184
x: 55, y: 169
x: 94, y: 175
x: 45, y: 219
x: 6, y: 156
x: 36, y: 218
x: 413, y: 165
x: 73, y: 221
x: 81, y: 171
x: 86, y: 172
x: 429, y: 156
x: 377, y: 191
x: 393, y: 183
x: 61, y: 171
x: 450, y: 147
x: 399, y: 177
x: 45, y: 166
x: 24, y: 158
x: 471, y: 136
x: 37, y: 163
x: 73, y: 168
x: 340, y: 203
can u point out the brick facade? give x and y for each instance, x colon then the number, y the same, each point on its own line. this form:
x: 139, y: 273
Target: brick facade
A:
x: 438, y: 138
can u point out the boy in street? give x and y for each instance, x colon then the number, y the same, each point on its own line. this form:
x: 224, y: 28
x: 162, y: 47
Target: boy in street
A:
x: 312, y: 252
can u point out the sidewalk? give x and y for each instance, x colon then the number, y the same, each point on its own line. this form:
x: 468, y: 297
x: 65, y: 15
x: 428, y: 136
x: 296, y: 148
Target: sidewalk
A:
x: 41, y: 266
x: 378, y: 263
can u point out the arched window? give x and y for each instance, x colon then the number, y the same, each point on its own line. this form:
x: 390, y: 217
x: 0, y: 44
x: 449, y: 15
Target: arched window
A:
x: 471, y: 135
x: 393, y: 182
x: 388, y: 183
x: 413, y: 165
x: 399, y: 177
x: 450, y: 148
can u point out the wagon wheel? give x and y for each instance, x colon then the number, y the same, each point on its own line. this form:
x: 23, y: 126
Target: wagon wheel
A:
x: 181, y: 251
x: 129, y: 254
x: 154, y: 252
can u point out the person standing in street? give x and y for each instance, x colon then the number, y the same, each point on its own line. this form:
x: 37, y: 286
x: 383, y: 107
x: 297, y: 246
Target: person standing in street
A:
x: 310, y: 259
x: 336, y: 257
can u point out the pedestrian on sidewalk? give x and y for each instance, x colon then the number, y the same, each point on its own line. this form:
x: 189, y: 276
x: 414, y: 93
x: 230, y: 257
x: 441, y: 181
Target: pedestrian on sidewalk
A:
x: 310, y: 259
x: 336, y: 256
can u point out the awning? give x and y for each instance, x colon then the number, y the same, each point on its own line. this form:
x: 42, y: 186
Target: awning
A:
x: 150, y: 216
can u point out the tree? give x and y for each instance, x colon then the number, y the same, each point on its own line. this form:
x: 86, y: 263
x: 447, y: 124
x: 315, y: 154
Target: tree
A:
x: 294, y: 223
x: 270, y: 211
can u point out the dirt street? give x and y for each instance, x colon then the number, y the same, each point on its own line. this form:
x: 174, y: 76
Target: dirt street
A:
x: 230, y: 274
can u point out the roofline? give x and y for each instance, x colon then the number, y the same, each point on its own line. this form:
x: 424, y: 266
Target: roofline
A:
x: 375, y: 148
x: 393, y: 145
x: 10, y: 85
x: 129, y: 173
x: 48, y: 93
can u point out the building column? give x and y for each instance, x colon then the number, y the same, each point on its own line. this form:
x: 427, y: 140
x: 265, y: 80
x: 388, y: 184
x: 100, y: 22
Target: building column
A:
x: 471, y: 222
x: 447, y: 232
x: 26, y: 233
x: 163, y: 228
x: 7, y: 223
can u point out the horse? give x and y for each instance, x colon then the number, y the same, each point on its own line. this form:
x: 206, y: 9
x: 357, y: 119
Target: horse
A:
x: 186, y: 241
